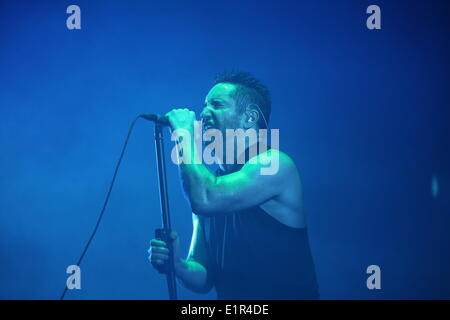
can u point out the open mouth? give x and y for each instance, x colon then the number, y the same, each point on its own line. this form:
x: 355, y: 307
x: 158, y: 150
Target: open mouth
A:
x: 208, y: 126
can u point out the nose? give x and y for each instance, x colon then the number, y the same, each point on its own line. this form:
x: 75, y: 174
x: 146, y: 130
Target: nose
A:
x: 205, y: 115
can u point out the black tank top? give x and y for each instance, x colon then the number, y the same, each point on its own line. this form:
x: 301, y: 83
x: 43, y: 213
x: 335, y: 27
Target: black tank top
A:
x: 254, y: 256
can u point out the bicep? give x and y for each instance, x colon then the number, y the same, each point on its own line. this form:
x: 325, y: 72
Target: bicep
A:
x: 249, y: 186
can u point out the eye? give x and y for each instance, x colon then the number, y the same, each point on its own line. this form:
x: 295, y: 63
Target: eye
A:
x: 217, y: 104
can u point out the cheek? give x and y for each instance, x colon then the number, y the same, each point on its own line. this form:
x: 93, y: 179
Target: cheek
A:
x: 227, y: 119
x: 237, y: 121
x: 228, y: 122
x: 234, y: 119
x: 221, y: 118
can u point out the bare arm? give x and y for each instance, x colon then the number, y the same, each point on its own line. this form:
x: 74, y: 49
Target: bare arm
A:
x: 239, y: 190
x: 209, y: 195
x: 192, y: 271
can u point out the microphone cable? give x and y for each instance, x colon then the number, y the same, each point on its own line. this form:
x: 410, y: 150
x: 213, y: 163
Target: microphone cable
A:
x: 99, y: 219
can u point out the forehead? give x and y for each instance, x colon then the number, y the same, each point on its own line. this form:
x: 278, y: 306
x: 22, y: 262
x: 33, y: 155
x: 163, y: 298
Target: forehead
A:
x: 221, y: 91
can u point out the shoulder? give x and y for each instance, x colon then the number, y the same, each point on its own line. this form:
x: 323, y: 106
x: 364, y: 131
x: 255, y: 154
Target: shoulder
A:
x: 287, y: 206
x: 285, y: 160
x: 275, y: 163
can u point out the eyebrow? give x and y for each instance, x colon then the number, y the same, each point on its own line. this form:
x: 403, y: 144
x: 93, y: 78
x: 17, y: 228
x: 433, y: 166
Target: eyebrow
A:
x: 215, y: 100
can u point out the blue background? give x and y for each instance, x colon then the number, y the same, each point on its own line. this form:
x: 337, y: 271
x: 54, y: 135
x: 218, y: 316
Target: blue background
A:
x: 364, y: 113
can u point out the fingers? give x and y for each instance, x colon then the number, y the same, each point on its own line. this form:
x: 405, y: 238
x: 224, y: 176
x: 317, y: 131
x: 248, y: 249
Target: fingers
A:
x: 158, y: 254
x: 178, y: 110
x: 159, y: 258
x: 183, y: 113
x: 158, y: 250
x: 157, y: 243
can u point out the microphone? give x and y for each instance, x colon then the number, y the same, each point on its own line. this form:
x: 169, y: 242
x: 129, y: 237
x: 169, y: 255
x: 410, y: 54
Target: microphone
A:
x: 156, y: 118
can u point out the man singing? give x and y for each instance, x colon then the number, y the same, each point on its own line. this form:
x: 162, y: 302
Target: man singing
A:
x: 249, y: 238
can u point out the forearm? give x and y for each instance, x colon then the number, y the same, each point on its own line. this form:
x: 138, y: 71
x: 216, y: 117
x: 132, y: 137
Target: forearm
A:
x: 198, y: 181
x: 193, y: 275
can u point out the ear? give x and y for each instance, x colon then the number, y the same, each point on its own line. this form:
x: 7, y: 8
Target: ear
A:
x: 252, y: 117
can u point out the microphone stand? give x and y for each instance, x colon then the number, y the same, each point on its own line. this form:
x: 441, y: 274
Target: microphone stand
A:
x: 164, y: 233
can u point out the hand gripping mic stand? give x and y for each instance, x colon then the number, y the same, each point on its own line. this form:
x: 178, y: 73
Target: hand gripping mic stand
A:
x: 164, y: 232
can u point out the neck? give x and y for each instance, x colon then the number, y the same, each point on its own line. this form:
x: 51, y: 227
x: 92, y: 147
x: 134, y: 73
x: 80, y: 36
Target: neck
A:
x: 235, y: 166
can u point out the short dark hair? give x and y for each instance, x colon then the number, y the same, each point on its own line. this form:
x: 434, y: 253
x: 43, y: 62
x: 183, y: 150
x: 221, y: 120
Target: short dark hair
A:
x: 248, y: 90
